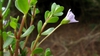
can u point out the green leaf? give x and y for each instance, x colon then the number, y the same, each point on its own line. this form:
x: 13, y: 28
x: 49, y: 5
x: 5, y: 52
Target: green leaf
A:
x: 5, y: 13
x: 37, y: 11
x: 39, y: 26
x: 59, y: 9
x: 58, y: 14
x: 22, y: 6
x: 48, y: 31
x: 33, y: 2
x: 28, y: 31
x: 47, y: 14
x: 53, y: 20
x: 13, y: 22
x: 53, y: 7
x: 7, y: 10
x: 38, y: 51
x: 8, y: 42
x: 47, y: 52
x: 5, y: 35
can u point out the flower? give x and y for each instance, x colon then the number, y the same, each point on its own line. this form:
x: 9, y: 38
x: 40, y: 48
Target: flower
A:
x: 70, y: 18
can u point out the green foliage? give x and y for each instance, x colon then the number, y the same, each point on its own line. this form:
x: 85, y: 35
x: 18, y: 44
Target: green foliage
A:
x: 33, y: 2
x: 38, y: 51
x: 28, y: 31
x: 48, y: 52
x: 48, y: 31
x: 39, y: 26
x: 8, y: 42
x: 13, y: 22
x: 7, y: 10
x: 22, y: 6
x: 53, y: 19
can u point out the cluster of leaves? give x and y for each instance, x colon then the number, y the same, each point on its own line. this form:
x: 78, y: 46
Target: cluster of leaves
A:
x: 11, y: 38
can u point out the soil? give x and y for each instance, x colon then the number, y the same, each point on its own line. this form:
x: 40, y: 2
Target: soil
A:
x: 76, y: 39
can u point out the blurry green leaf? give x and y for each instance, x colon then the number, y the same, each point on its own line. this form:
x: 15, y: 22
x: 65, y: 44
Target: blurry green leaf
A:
x: 7, y: 10
x: 10, y: 34
x: 33, y: 2
x: 53, y: 20
x: 5, y: 13
x: 59, y: 9
x: 21, y: 44
x: 8, y: 42
x: 22, y: 6
x: 37, y: 11
x: 28, y: 31
x: 47, y: 52
x: 5, y: 36
x: 13, y: 22
x: 38, y: 51
x: 48, y: 31
x: 32, y: 44
x: 58, y: 14
x: 39, y: 26
x: 53, y: 7
x: 47, y: 14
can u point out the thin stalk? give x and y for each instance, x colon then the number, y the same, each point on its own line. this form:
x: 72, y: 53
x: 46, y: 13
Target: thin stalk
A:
x: 32, y: 20
x: 19, y: 34
x: 48, y: 35
x: 38, y: 36
x: 1, y: 36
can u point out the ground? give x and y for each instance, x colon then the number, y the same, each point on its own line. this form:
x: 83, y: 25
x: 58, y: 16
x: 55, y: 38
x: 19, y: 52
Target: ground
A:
x: 76, y: 39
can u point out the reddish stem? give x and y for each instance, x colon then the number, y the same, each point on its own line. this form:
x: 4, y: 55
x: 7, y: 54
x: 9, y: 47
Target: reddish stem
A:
x: 1, y: 37
x: 19, y: 34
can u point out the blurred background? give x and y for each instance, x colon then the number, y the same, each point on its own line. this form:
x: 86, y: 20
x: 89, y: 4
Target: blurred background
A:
x: 76, y: 39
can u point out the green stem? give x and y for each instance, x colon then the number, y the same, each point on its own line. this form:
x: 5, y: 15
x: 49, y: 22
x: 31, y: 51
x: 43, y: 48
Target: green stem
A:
x: 32, y: 20
x: 7, y: 8
x: 48, y: 35
x: 19, y: 34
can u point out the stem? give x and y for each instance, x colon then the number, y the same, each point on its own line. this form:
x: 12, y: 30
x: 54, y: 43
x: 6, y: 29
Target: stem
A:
x: 49, y: 34
x: 19, y: 34
x: 38, y: 36
x: 32, y: 20
x: 1, y: 36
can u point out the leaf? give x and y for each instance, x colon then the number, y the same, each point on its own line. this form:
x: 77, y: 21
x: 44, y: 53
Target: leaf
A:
x: 33, y: 2
x: 37, y: 11
x: 5, y: 35
x: 39, y: 26
x: 53, y: 7
x: 8, y: 42
x: 47, y: 52
x: 5, y: 13
x: 59, y: 9
x: 58, y: 14
x: 48, y: 31
x: 22, y: 6
x: 47, y: 14
x: 38, y: 51
x: 53, y: 20
x: 7, y: 10
x: 28, y: 31
x: 13, y: 24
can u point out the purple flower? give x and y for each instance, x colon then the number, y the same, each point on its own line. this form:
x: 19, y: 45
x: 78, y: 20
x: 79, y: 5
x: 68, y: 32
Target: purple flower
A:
x: 71, y: 17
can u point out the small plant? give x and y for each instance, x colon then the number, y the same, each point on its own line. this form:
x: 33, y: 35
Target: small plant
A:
x: 10, y: 43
